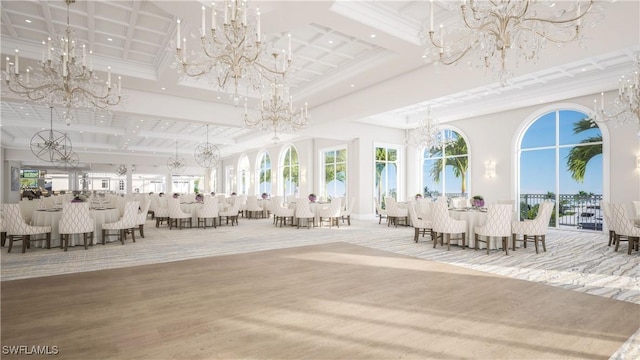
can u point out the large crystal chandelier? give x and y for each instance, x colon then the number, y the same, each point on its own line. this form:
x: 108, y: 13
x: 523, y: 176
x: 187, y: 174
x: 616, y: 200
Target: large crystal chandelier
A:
x: 176, y: 164
x: 277, y: 112
x: 232, y: 50
x: 426, y: 135
x: 65, y: 76
x: 625, y: 108
x: 207, y: 155
x: 497, y: 34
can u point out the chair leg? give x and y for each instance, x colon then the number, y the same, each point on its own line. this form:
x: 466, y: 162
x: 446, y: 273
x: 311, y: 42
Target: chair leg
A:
x: 141, y: 227
x: 10, y: 243
x: 535, y: 241
x: 416, y: 234
x: 133, y: 234
x: 25, y: 241
x: 544, y: 245
x: 505, y: 244
x: 104, y: 236
x: 3, y: 238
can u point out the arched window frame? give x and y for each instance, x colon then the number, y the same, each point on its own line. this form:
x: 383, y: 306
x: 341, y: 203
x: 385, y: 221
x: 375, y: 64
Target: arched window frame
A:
x: 264, y: 165
x: 443, y: 156
x: 289, y: 169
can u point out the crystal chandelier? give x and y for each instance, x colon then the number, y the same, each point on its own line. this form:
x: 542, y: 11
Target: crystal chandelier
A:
x: 49, y: 145
x: 207, y: 155
x: 65, y: 76
x: 277, y: 113
x: 176, y: 164
x: 426, y: 134
x: 121, y: 170
x: 231, y: 50
x: 496, y: 34
x: 625, y: 108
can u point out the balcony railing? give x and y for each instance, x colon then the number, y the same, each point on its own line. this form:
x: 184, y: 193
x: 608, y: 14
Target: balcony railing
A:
x: 581, y: 212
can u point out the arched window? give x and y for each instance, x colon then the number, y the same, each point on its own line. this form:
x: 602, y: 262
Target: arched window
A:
x: 560, y: 159
x: 264, y: 173
x: 335, y: 173
x: 243, y: 175
x: 289, y: 168
x: 445, y: 167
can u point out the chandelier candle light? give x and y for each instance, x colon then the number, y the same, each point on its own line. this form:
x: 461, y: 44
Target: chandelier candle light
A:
x: 277, y: 113
x: 497, y: 34
x: 176, y: 164
x: 66, y: 76
x: 231, y: 51
x: 426, y: 135
x: 625, y: 108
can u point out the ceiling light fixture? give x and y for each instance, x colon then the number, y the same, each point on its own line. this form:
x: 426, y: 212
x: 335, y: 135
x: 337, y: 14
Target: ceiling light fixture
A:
x: 176, y: 164
x: 207, y: 155
x: 625, y: 108
x: 49, y: 145
x: 497, y: 34
x: 277, y: 113
x: 66, y: 76
x: 426, y: 134
x: 232, y: 49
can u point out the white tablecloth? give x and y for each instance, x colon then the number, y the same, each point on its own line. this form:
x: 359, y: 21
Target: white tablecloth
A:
x: 52, y: 218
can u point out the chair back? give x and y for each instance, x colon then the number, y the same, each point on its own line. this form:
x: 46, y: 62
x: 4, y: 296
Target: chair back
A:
x: 378, y: 207
x: 76, y: 219
x: 14, y: 223
x: 303, y: 209
x: 623, y: 225
x: 335, y: 207
x: 542, y: 219
x: 498, y: 220
x: 442, y: 200
x: 459, y: 202
x: 209, y: 208
x: 423, y: 208
x: 413, y: 215
x: 606, y: 211
x: 440, y: 219
x: 173, y: 206
x: 130, y: 216
x: 144, y: 210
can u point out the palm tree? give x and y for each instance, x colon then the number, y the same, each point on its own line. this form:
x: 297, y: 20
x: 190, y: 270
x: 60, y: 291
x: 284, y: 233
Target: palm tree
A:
x: 383, y: 158
x: 459, y: 164
x: 580, y: 155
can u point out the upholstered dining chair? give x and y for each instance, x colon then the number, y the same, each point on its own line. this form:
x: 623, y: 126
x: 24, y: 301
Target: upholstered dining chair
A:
x: 76, y: 219
x: 128, y: 221
x: 177, y: 217
x: 444, y: 225
x: 142, y: 215
x: 395, y: 214
x: 348, y: 210
x: 498, y: 224
x: 608, y: 219
x: 536, y: 227
x: 161, y: 212
x: 209, y: 210
x: 331, y: 214
x: 17, y: 228
x: 420, y: 225
x: 281, y: 213
x: 303, y: 212
x: 625, y: 227
x: 382, y: 213
x: 252, y: 208
x: 232, y: 212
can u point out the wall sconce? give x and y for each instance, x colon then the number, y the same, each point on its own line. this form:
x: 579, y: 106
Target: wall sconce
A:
x: 490, y: 169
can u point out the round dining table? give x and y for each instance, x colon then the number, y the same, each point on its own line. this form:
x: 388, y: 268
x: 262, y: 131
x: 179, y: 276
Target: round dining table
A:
x: 51, y: 217
x: 475, y: 217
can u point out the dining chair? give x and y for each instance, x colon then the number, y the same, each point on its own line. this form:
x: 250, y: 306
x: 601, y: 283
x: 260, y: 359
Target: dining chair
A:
x: 128, y: 221
x: 331, y: 214
x: 161, y: 212
x: 281, y: 213
x: 209, y: 210
x: 536, y: 227
x: 636, y: 209
x: 142, y: 215
x: 303, y: 211
x: 460, y: 203
x: 395, y: 214
x: 606, y: 211
x: 382, y: 213
x: 444, y: 225
x: 252, y: 208
x: 18, y: 230
x: 348, y: 210
x: 232, y: 212
x: 177, y: 217
x: 498, y: 224
x: 423, y: 208
x: 625, y: 227
x: 419, y: 224
x: 76, y: 219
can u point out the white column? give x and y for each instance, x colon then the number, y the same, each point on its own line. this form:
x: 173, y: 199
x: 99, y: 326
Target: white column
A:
x: 169, y: 184
x: 129, y: 185
x: 206, y: 188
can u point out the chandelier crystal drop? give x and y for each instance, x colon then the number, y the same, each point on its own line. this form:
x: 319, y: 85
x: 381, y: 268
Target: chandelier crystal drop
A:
x: 232, y: 49
x: 426, y: 135
x: 49, y: 145
x: 497, y: 34
x: 625, y: 108
x: 176, y: 164
x: 207, y: 155
x: 277, y: 112
x: 65, y: 76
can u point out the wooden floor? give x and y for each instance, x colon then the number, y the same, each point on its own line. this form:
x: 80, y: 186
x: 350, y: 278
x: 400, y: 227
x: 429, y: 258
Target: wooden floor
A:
x: 329, y: 301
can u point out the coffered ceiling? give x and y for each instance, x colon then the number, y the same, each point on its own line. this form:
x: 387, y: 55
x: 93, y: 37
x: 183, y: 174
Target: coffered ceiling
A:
x: 358, y: 63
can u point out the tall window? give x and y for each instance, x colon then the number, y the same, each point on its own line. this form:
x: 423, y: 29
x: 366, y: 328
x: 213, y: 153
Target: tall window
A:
x: 445, y: 168
x: 560, y: 158
x: 213, y: 184
x: 230, y: 183
x: 243, y: 175
x: 335, y: 173
x: 121, y: 185
x: 290, y: 172
x: 264, y: 173
x: 386, y: 180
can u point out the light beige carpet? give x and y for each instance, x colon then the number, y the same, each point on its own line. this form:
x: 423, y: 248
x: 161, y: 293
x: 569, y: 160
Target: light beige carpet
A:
x: 328, y: 301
